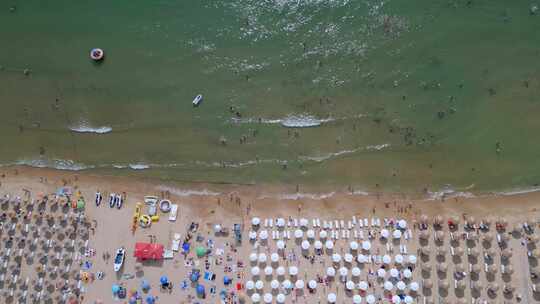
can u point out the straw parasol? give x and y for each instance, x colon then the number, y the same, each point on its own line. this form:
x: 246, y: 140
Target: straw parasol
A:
x: 477, y: 285
x: 423, y: 251
x: 493, y: 287
x: 473, y: 251
x: 439, y: 235
x: 506, y: 253
x: 438, y: 220
x: 423, y: 219
x: 460, y: 284
x: 428, y: 284
x: 459, y: 268
x: 507, y: 288
x: 423, y: 235
x: 475, y: 268
x: 508, y: 269
x: 443, y: 284
x: 442, y: 267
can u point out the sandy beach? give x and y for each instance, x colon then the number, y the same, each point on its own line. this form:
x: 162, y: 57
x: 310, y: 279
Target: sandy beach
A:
x: 482, y: 259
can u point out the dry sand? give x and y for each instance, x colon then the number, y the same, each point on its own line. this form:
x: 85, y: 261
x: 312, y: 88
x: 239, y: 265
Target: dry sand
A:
x: 208, y: 205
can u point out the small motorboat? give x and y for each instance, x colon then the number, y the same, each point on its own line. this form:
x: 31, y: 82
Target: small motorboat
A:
x: 165, y: 206
x: 119, y: 258
x: 97, y: 54
x: 112, y: 200
x: 98, y: 198
x: 119, y: 201
x: 197, y: 100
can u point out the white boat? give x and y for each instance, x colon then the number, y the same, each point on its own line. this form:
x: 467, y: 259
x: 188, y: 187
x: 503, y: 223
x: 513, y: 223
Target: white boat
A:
x: 173, y: 213
x: 119, y: 258
x: 197, y: 100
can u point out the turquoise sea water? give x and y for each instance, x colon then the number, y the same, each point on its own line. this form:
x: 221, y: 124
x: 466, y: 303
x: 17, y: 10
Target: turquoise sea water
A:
x: 410, y: 94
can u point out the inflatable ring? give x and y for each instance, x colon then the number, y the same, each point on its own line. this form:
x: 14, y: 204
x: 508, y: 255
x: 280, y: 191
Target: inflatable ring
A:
x: 97, y: 54
x: 145, y: 221
x: 165, y: 206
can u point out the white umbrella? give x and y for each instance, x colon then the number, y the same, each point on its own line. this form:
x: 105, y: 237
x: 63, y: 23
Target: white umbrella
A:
x: 366, y: 245
x: 329, y: 244
x: 348, y: 258
x: 298, y: 233
x: 317, y: 244
x: 381, y: 273
x: 305, y: 245
x: 293, y: 270
x: 394, y: 273
x: 361, y: 258
x: 303, y: 222
x: 217, y: 228
x: 310, y: 234
x: 412, y: 259
x: 255, y: 221
x: 267, y: 298
x: 370, y: 299
x: 414, y: 286
x: 262, y: 257
x: 274, y: 257
x: 401, y: 285
x: 252, y: 235
x: 363, y: 285
x: 255, y: 271
x: 357, y: 299
x: 386, y: 259
x: 353, y: 245
x: 330, y: 271
x: 280, y: 222
x: 280, y: 298
x: 407, y: 273
x: 259, y: 285
x: 268, y: 270
x: 323, y: 234
x: 396, y: 299
x: 408, y: 299
x: 312, y: 284
x: 388, y: 285
x: 336, y: 258
x: 402, y: 224
x: 280, y: 244
x: 349, y: 285
x: 331, y: 298
x: 299, y: 284
x: 263, y: 235
x: 250, y: 285
x: 396, y: 234
x: 287, y: 284
x: 343, y: 271
x: 274, y: 284
x: 385, y: 233
x: 280, y: 271
x: 255, y: 298
x: 253, y: 257
x: 398, y: 259
x: 355, y: 272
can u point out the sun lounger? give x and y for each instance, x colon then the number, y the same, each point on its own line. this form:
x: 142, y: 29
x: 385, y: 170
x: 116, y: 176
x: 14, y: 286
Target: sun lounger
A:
x: 336, y: 222
x: 266, y: 223
x: 330, y: 225
x: 314, y: 222
x: 343, y: 234
x: 354, y: 219
x: 288, y: 234
x: 361, y: 234
x: 271, y: 223
x: 366, y: 222
x: 373, y: 223
x: 342, y: 224
x: 361, y: 223
x: 388, y: 247
x: 337, y: 234
x: 404, y: 248
x: 349, y: 225
x: 295, y: 223
x: 355, y: 234
x: 318, y: 223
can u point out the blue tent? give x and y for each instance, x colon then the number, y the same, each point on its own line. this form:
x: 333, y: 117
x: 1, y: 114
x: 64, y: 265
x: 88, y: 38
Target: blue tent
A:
x: 200, y: 289
x: 226, y: 280
x: 115, y: 289
x: 145, y: 285
x: 195, y: 276
x: 150, y: 300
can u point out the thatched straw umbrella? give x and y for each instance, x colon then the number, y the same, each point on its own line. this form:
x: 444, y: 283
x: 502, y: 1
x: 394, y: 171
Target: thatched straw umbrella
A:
x: 508, y: 288
x: 428, y: 284
x: 460, y: 284
x: 473, y: 251
x: 461, y: 301
x: 487, y: 237
x: 489, y: 252
x: 470, y: 221
x: 423, y: 235
x: 493, y: 287
x: 459, y: 268
x: 442, y: 267
x: 455, y: 219
x: 439, y: 235
x: 423, y: 251
x: 534, y: 238
x: 458, y: 251
x: 536, y: 253
x: 492, y: 269
x: 441, y: 252
x: 423, y: 219
x: 477, y: 285
x: 443, y: 284
x: 475, y: 268
x: 508, y: 269
x: 506, y: 253
x: 426, y: 267
x: 438, y: 220
x: 517, y: 228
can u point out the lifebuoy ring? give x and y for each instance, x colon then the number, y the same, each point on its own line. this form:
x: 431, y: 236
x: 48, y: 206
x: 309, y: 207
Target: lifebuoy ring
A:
x: 97, y: 54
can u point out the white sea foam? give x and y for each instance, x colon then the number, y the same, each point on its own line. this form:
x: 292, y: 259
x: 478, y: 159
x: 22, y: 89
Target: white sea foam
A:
x: 139, y: 166
x: 87, y: 129
x: 187, y: 192
x: 60, y: 164
x: 518, y: 191
x: 298, y: 195
x: 448, y: 192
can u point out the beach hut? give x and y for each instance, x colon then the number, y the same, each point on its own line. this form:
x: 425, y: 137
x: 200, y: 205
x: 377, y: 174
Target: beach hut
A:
x: 280, y: 244
x: 386, y: 259
x: 298, y: 234
x: 255, y: 221
x: 253, y: 257
x: 312, y: 284
x: 349, y: 285
x: 353, y: 245
x: 299, y: 284
x: 262, y: 258
x: 255, y: 298
x: 331, y: 298
x: 366, y: 245
x: 255, y: 271
x: 370, y: 299
x: 398, y: 259
x: 356, y: 272
x: 280, y: 298
x: 329, y: 245
x: 381, y: 272
x: 407, y: 273
x: 274, y: 257
x: 336, y: 258
x: 267, y: 298
x: 394, y: 273
x: 293, y: 271
x: 401, y: 285
x: 330, y: 271
x: 414, y: 286
x: 348, y: 258
x: 323, y: 234
x: 259, y: 285
x: 357, y: 299
x: 274, y: 284
x: 396, y: 299
x: 280, y: 271
x: 268, y: 270
x: 396, y: 234
x: 388, y: 286
x: 385, y: 233
x: 250, y: 285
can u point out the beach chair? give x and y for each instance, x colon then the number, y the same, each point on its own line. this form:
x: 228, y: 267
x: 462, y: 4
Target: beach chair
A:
x: 361, y: 224
x: 355, y: 234
x: 295, y: 223
x: 314, y: 222
x: 271, y: 223
x: 318, y: 223
x: 452, y: 250
x: 325, y: 225
x: 361, y: 234
x: 342, y: 224
x: 330, y: 225
x: 337, y: 235
x: 388, y: 247
x: 336, y: 222
x: 349, y: 225
x: 343, y: 234
x: 366, y: 222
x: 288, y: 235
x: 348, y: 234
x: 354, y: 219
x: 266, y: 223
x: 406, y: 235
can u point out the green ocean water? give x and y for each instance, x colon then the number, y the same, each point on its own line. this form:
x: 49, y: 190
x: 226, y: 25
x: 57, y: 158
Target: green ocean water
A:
x: 410, y: 94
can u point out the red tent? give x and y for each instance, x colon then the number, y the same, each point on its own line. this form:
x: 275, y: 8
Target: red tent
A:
x: 148, y: 251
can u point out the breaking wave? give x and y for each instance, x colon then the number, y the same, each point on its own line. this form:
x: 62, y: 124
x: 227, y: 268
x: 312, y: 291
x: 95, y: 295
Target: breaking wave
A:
x: 188, y: 192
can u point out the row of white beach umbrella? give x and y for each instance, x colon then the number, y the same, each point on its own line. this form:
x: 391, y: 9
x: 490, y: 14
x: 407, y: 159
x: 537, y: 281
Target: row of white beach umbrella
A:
x: 337, y: 258
x: 310, y: 234
x: 304, y: 223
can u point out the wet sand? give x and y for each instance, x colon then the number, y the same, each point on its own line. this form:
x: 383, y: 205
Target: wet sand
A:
x: 208, y: 205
